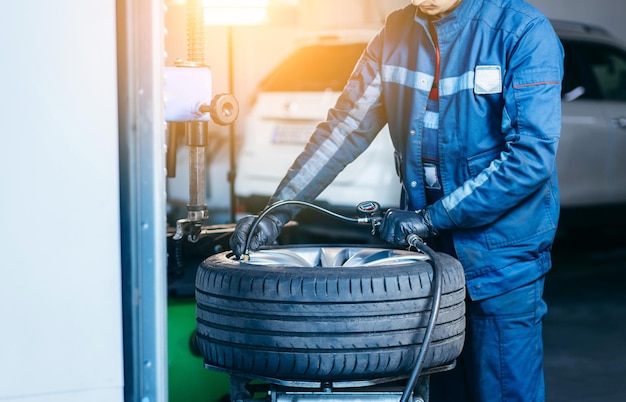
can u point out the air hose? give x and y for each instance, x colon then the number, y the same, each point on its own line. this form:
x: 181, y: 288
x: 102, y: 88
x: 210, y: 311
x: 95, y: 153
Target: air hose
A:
x: 255, y: 223
x: 413, y: 241
x: 416, y: 242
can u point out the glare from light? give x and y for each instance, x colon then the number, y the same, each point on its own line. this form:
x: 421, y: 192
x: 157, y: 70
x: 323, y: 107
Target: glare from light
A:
x: 235, y: 12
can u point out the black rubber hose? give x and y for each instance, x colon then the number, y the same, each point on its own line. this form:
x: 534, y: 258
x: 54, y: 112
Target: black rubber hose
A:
x: 416, y: 241
x: 277, y: 204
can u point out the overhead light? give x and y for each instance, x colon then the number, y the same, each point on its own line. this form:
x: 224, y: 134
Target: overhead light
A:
x: 235, y: 12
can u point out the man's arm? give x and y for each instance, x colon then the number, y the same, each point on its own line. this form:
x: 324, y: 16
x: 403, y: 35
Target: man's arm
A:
x: 531, y: 126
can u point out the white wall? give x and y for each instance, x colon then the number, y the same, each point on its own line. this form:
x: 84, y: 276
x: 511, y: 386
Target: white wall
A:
x: 60, y: 299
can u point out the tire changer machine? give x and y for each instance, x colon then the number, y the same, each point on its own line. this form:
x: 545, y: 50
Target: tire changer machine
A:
x: 189, y: 107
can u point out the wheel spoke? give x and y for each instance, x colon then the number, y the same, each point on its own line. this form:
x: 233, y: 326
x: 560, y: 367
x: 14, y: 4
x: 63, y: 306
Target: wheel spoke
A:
x: 328, y: 257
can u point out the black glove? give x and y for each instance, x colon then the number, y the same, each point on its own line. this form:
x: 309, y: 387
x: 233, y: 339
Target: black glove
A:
x: 397, y: 224
x: 266, y: 233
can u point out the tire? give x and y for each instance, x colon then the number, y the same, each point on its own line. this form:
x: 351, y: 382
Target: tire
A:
x: 360, y: 316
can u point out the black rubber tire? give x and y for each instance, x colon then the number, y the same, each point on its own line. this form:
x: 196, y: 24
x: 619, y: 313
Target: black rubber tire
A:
x: 330, y: 324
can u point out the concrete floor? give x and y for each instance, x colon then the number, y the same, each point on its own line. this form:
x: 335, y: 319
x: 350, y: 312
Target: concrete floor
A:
x: 585, y: 330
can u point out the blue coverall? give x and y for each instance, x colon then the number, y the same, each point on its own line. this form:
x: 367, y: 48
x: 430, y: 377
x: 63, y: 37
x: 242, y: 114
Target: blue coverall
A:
x: 497, y: 126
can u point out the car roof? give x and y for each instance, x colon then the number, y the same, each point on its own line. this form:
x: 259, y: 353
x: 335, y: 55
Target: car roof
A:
x: 582, y: 31
x: 564, y: 27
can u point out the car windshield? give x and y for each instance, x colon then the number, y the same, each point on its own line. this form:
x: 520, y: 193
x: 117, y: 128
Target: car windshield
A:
x: 314, y: 68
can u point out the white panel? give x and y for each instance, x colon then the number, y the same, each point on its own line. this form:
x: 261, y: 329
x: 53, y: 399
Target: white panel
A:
x: 187, y: 89
x: 96, y: 395
x: 60, y: 301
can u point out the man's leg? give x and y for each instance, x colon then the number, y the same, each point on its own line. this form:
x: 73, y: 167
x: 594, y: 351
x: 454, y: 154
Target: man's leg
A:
x: 502, y: 360
x: 506, y: 362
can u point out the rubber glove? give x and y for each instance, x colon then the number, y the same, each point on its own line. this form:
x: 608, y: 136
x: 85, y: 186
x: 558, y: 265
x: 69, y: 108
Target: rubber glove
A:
x: 266, y: 233
x: 397, y: 224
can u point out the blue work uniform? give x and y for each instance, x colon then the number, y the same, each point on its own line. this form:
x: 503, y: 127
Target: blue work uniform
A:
x: 497, y: 122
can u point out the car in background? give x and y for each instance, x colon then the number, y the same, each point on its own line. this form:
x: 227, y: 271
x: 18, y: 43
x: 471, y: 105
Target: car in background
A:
x: 297, y: 94
x: 291, y: 100
x: 591, y: 159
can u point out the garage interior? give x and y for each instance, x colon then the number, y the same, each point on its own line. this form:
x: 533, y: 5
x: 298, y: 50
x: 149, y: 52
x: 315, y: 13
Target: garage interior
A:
x: 583, y: 334
x: 62, y: 293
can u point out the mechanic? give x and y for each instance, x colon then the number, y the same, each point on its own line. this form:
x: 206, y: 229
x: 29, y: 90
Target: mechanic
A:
x: 470, y: 90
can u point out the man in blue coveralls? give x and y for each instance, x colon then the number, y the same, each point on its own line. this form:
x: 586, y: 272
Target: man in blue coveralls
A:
x: 470, y: 90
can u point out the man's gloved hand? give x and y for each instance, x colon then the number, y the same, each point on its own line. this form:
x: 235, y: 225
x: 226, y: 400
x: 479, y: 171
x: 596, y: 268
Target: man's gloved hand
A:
x: 266, y: 233
x: 397, y: 224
